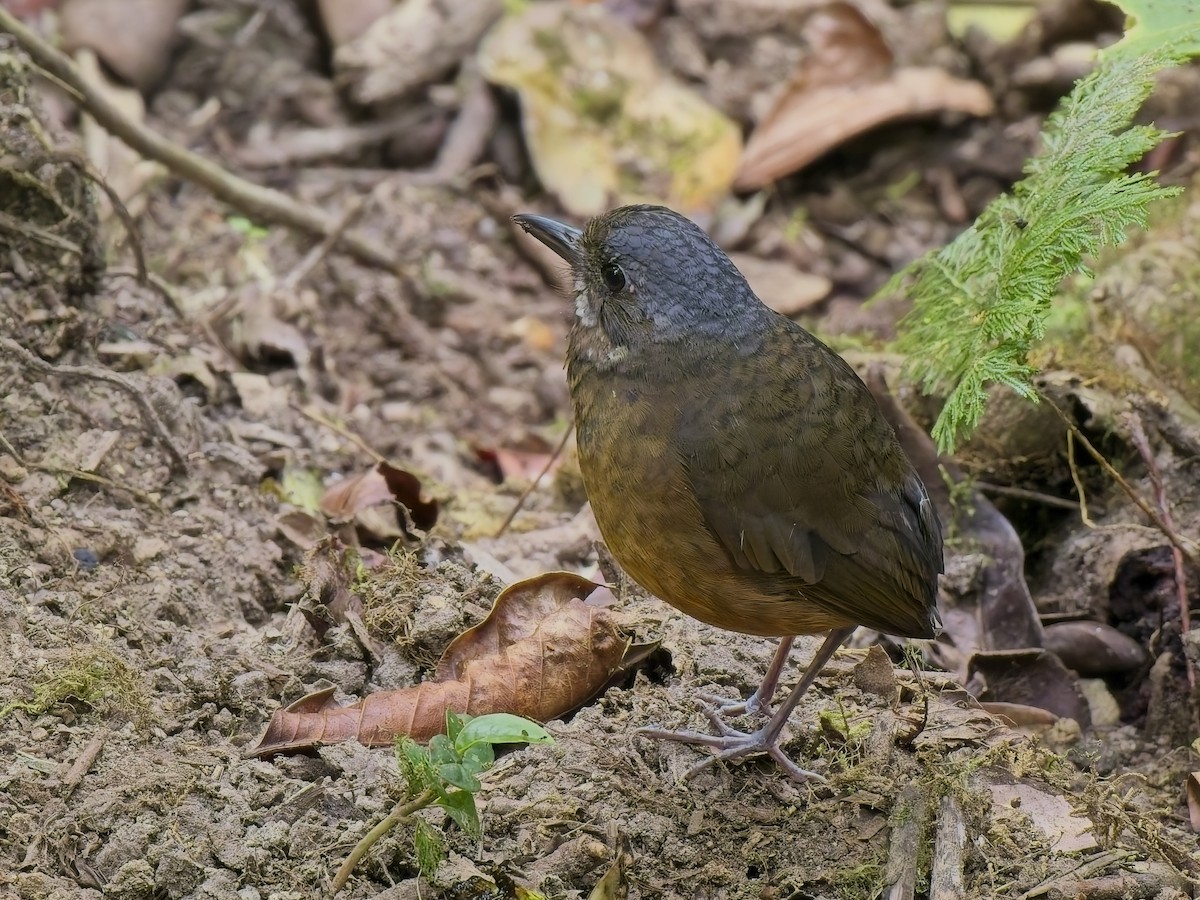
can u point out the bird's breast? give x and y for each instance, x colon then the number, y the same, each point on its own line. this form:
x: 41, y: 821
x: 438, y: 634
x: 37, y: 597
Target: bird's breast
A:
x: 642, y: 497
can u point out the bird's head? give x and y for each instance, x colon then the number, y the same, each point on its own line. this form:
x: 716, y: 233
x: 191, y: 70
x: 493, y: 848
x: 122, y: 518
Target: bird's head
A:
x: 645, y: 274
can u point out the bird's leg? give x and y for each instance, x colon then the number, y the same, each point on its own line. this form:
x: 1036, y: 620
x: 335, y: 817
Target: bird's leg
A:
x: 733, y: 744
x: 758, y: 702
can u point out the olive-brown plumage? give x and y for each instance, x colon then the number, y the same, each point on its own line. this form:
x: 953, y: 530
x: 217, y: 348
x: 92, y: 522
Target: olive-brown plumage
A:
x: 737, y: 467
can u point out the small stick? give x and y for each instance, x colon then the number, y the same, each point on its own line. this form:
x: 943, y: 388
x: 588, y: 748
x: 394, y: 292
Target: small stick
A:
x: 906, y: 843
x: 533, y: 484
x: 314, y: 416
x: 1078, y: 480
x: 1005, y: 490
x: 1142, y: 443
x: 149, y: 416
x: 949, y: 852
x: 1133, y: 495
x: 83, y: 763
x: 314, y: 256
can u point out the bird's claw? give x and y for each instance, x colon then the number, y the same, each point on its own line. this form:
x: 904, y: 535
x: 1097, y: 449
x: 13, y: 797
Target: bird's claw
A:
x: 714, y: 704
x: 732, y: 744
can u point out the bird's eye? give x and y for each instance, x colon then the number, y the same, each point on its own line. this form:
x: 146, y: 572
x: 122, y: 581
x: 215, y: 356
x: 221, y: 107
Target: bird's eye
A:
x: 614, y: 277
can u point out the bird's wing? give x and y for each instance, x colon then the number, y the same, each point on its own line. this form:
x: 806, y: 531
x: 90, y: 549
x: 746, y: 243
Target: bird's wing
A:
x: 805, y: 485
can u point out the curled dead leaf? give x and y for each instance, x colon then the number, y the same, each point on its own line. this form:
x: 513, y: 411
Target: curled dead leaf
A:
x: 542, y: 652
x: 368, y: 498
x: 1031, y: 677
x: 843, y: 88
x: 517, y: 614
x: 1020, y: 715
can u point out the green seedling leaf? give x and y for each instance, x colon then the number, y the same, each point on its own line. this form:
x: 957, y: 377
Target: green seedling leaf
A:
x: 441, y: 751
x: 478, y: 757
x: 460, y: 806
x: 243, y: 226
x: 430, y: 847
x: 455, y: 723
x: 500, y: 728
x: 1156, y: 24
x: 458, y: 775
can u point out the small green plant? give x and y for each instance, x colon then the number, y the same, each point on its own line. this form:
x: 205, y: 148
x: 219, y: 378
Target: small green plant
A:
x: 981, y: 304
x: 446, y: 774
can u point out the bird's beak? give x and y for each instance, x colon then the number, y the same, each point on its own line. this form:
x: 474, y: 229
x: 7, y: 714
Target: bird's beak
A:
x: 562, y: 239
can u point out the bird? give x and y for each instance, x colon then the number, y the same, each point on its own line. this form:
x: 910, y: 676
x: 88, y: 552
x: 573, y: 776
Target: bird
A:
x: 737, y: 467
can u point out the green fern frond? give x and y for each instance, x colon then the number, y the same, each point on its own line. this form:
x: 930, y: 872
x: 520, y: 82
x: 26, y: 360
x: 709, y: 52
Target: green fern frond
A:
x: 981, y: 303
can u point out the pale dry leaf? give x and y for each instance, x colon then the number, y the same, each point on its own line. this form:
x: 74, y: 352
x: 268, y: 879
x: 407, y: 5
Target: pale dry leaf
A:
x: 123, y: 168
x: 256, y: 393
x: 93, y: 446
x: 604, y: 123
x: 132, y: 37
x: 1049, y: 813
x: 345, y: 20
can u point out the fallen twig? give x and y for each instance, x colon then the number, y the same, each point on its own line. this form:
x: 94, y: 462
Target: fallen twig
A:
x: 83, y: 763
x: 949, y: 852
x: 909, y: 819
x: 259, y: 203
x: 1138, y: 433
x: 1005, y: 490
x: 533, y: 484
x: 1130, y: 492
x: 149, y: 416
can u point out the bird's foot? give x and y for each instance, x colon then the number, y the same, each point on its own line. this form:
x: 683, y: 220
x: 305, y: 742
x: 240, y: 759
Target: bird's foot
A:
x: 715, y: 705
x: 732, y: 744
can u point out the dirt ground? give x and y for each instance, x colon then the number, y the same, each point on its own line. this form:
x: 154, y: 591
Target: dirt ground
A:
x: 151, y: 611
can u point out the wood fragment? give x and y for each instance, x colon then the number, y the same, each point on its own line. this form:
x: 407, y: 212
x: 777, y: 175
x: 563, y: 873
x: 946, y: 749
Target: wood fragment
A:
x: 949, y: 852
x: 908, y: 825
x: 83, y: 763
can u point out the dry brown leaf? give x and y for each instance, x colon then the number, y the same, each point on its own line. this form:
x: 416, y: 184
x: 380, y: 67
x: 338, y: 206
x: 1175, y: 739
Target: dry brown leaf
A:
x: 517, y: 614
x: 328, y: 572
x: 843, y: 88
x: 1019, y: 715
x: 368, y: 499
x: 1032, y: 677
x: 1094, y: 648
x: 300, y: 527
x: 556, y: 665
x: 806, y: 126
